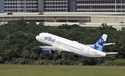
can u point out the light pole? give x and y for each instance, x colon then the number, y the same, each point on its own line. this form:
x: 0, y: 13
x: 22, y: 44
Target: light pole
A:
x: 115, y: 5
x: 122, y: 6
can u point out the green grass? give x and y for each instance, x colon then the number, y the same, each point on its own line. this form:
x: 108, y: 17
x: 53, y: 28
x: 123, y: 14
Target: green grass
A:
x: 50, y: 70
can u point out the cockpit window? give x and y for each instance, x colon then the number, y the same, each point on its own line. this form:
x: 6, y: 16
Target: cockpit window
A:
x: 49, y: 39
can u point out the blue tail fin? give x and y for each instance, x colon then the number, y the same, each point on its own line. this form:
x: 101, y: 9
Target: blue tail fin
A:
x: 99, y: 45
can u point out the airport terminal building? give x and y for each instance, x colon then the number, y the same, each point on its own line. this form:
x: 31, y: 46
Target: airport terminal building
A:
x: 86, y: 12
x: 20, y: 5
x: 62, y: 5
x: 84, y: 5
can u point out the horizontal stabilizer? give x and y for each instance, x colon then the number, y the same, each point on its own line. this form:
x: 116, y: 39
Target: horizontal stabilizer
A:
x: 106, y: 44
x: 111, y: 53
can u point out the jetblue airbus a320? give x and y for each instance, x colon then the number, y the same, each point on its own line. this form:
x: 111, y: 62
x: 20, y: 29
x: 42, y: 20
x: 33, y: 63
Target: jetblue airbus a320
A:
x: 63, y: 44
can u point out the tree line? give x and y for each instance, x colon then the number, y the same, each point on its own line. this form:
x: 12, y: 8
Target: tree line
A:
x: 19, y: 46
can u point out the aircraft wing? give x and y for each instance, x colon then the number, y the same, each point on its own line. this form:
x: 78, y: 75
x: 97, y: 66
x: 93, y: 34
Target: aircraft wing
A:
x: 48, y: 47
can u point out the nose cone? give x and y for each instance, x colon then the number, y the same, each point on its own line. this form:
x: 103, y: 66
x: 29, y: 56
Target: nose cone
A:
x: 41, y: 36
x: 37, y: 37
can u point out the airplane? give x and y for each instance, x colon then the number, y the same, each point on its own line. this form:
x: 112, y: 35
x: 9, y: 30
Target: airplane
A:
x: 63, y: 44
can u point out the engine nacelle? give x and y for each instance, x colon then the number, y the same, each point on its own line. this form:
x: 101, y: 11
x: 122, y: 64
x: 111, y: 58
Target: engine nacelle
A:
x: 46, y: 51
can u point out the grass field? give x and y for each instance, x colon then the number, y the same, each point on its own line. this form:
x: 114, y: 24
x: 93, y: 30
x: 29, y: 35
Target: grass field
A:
x: 49, y: 70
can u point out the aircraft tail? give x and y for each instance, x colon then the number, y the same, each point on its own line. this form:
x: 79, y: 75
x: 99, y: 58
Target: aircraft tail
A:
x: 99, y: 45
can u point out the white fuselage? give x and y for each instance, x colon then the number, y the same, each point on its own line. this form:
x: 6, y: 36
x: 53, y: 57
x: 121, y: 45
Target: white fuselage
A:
x: 68, y: 45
